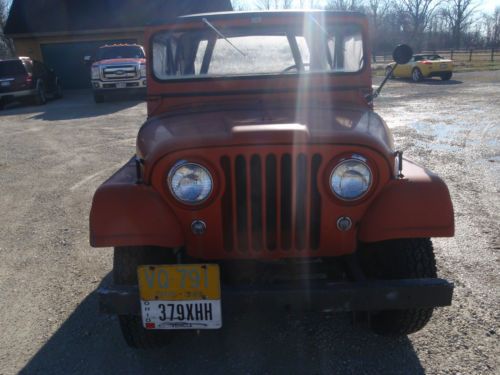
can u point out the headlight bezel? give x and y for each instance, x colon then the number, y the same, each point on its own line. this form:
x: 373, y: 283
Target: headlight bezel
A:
x: 352, y: 158
x: 95, y: 72
x: 143, y: 70
x: 171, y: 173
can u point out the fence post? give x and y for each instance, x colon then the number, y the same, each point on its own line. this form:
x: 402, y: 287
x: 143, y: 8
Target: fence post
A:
x: 470, y: 55
x: 492, y: 54
x: 451, y: 54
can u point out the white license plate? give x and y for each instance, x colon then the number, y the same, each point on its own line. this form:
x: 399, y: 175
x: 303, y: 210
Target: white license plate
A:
x: 443, y: 66
x: 121, y: 85
x: 5, y: 84
x: 202, y: 314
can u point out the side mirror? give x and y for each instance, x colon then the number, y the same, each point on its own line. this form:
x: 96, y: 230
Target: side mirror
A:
x: 88, y: 60
x: 402, y: 54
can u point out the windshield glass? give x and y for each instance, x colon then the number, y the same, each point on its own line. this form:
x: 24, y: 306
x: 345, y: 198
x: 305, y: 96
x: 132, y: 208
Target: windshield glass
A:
x: 217, y: 51
x: 428, y: 57
x: 8, y: 68
x: 120, y: 52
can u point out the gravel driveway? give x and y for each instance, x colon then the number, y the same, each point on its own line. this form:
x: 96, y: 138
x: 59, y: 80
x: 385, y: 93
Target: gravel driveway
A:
x: 52, y: 159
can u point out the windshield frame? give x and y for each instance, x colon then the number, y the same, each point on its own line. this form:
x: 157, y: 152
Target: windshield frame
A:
x: 187, y: 25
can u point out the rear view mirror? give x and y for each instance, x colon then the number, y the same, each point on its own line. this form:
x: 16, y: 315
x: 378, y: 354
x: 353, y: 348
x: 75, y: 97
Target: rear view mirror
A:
x: 402, y: 54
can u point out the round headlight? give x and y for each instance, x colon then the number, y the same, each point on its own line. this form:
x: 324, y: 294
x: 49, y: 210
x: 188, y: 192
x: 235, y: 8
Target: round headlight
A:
x: 351, y: 179
x: 190, y: 183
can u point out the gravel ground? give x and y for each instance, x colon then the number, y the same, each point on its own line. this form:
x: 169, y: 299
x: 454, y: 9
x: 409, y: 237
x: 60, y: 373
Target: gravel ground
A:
x: 53, y: 158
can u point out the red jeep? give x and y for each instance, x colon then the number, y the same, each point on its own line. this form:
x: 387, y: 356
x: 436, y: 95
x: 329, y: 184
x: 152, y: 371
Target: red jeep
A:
x: 263, y: 175
x: 118, y: 68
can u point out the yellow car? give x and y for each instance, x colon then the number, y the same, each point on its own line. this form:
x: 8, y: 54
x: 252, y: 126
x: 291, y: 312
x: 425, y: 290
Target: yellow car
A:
x: 423, y: 66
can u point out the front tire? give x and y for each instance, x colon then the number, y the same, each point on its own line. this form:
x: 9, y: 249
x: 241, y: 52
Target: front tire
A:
x: 125, y: 262
x: 40, y: 97
x: 416, y: 75
x: 446, y: 76
x: 59, y: 91
x: 399, y: 259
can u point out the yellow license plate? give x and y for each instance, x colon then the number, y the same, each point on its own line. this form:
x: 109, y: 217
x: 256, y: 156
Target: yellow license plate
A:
x: 181, y: 296
x: 179, y: 282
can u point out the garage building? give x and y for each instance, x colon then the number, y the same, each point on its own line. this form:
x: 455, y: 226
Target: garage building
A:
x: 61, y: 32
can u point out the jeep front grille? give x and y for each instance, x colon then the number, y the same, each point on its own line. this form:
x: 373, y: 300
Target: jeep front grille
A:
x: 119, y: 72
x: 271, y: 202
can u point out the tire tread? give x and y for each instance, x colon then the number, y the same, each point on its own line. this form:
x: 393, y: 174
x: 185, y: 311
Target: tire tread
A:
x: 399, y: 259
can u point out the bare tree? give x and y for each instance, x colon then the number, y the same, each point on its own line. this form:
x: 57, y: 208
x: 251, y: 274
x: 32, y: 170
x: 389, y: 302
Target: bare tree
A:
x: 344, y: 4
x: 458, y: 14
x: 419, y: 14
x: 287, y: 4
x: 492, y: 28
x: 377, y: 10
x: 239, y: 5
x: 6, y: 45
x: 264, y: 4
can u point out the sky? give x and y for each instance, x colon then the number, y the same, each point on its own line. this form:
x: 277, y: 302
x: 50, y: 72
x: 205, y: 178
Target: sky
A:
x: 489, y: 5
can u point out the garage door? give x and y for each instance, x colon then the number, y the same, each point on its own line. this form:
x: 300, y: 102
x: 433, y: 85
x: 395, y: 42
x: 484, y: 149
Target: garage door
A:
x: 67, y: 60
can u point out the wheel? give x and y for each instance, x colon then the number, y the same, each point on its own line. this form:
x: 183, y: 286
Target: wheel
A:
x: 446, y: 76
x: 40, y: 97
x: 59, y: 91
x: 416, y: 75
x: 388, y: 72
x: 125, y: 262
x: 399, y: 259
x: 99, y: 98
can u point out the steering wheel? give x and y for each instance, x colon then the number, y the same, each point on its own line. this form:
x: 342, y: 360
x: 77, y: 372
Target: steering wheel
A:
x: 294, y: 66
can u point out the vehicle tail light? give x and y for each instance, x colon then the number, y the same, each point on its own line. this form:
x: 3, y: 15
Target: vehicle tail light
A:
x: 28, y: 79
x: 425, y: 62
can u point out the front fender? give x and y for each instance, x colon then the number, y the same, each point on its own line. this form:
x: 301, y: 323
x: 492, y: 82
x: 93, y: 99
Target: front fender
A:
x: 418, y: 205
x: 125, y: 213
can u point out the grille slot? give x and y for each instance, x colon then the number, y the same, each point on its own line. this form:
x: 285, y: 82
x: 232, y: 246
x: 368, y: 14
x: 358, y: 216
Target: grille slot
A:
x: 271, y: 202
x: 241, y: 203
x: 256, y: 199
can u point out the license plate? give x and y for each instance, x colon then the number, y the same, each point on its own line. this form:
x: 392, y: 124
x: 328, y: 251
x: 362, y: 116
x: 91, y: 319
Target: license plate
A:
x: 182, y: 296
x: 121, y: 85
x: 443, y: 66
x: 5, y: 84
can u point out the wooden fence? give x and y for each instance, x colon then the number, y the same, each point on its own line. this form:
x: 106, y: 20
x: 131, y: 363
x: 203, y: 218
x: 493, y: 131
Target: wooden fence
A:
x: 462, y: 55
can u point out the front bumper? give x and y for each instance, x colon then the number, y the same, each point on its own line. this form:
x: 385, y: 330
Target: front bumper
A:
x: 107, y: 86
x: 320, y: 296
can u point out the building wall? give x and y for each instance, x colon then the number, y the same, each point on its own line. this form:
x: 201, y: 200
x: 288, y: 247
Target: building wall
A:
x: 30, y: 46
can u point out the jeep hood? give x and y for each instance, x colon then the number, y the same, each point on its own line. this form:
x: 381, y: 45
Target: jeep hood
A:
x: 165, y: 134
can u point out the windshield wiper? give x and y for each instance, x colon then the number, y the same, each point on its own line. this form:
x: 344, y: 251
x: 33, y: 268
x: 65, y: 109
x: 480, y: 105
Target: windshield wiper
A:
x: 223, y: 36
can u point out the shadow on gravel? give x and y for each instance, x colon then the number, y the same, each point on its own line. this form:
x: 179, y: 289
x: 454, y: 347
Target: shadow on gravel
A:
x: 429, y: 81
x: 253, y: 342
x: 439, y: 82
x: 75, y: 104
